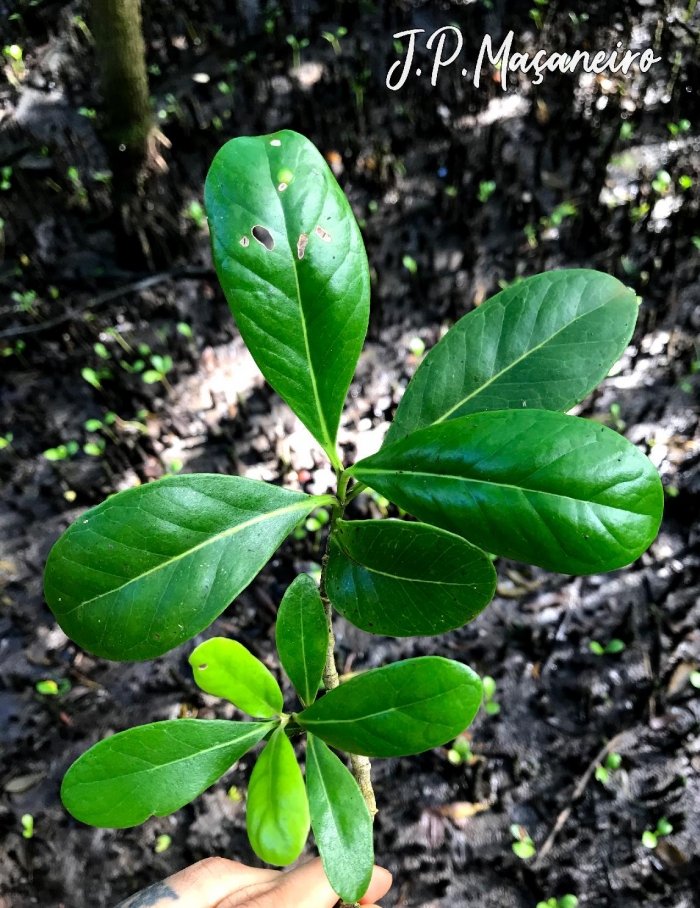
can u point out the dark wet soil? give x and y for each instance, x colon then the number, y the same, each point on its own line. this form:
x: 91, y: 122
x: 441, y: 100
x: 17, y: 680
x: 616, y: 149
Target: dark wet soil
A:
x: 416, y: 165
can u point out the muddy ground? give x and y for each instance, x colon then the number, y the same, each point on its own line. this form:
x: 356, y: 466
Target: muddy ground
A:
x: 416, y: 165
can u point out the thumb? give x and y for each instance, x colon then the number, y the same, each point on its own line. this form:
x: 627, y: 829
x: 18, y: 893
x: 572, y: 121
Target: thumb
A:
x: 308, y: 887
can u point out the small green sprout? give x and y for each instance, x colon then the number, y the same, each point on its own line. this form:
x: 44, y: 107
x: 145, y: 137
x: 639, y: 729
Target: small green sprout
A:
x: 174, y: 467
x: 234, y: 794
x: 62, y: 452
x: 6, y: 441
x: 461, y: 752
x: 76, y: 182
x: 530, y: 232
x: 626, y: 130
x: 612, y: 648
x: 195, y: 212
x: 88, y: 112
x: 5, y: 178
x: 95, y: 448
x: 95, y: 378
x: 651, y: 839
x: 417, y: 346
x: 409, y: 264
x: 184, y: 329
x: 163, y: 842
x: 566, y: 901
x: 679, y: 127
x: 662, y: 182
x: 51, y: 688
x: 486, y: 190
x: 25, y: 300
x: 15, y: 57
x: 615, y: 420
x: 101, y: 350
x: 161, y: 366
x: 694, y: 678
x: 685, y: 182
x: 27, y: 826
x: 490, y: 705
x: 696, y: 241
x: 297, y: 47
x: 523, y: 846
x: 333, y: 39
x: 612, y: 764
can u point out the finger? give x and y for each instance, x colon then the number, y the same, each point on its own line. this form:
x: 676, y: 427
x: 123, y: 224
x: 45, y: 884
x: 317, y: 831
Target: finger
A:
x: 378, y: 887
x: 209, y: 882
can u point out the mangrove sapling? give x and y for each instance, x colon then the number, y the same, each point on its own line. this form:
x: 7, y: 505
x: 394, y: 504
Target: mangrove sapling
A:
x: 480, y: 451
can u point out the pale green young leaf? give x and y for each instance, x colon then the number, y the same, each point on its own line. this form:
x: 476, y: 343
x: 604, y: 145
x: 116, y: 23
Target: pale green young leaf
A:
x: 154, y: 770
x: 152, y: 566
x: 277, y: 812
x: 225, y: 668
x: 302, y: 637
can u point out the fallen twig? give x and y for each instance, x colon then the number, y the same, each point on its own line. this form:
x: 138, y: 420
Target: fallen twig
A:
x: 107, y: 297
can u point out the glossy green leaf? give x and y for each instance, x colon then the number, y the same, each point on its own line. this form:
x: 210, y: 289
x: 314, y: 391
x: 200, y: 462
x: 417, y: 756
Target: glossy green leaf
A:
x: 152, y: 566
x: 541, y: 487
x: 401, y: 709
x: 154, y: 770
x: 278, y: 810
x: 545, y: 342
x: 302, y: 637
x: 225, y: 668
x: 290, y: 258
x: 404, y: 579
x: 340, y: 820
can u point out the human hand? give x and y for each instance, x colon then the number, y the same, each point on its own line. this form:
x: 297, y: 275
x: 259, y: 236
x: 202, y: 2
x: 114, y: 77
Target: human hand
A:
x: 219, y: 883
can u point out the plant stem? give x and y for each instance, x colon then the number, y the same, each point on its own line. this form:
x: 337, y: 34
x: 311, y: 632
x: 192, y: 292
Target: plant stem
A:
x: 361, y: 766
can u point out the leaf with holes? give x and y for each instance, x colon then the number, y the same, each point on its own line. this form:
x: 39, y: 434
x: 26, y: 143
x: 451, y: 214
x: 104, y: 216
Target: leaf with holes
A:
x: 403, y: 579
x: 302, y: 637
x: 154, y: 770
x: 277, y: 812
x: 545, y: 342
x: 541, y: 487
x: 401, y: 709
x: 152, y: 566
x: 340, y: 820
x: 225, y: 668
x: 291, y: 261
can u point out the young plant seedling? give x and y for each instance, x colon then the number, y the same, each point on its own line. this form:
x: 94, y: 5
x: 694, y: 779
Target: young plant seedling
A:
x: 566, y: 901
x: 461, y: 751
x: 523, y: 846
x: 651, y: 839
x: 612, y: 648
x: 490, y: 705
x: 28, y: 826
x: 159, y: 373
x: 480, y: 452
x: 612, y: 764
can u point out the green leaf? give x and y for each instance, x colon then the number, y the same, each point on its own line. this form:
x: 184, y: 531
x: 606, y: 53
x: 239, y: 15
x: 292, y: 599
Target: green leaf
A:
x: 524, y: 850
x: 545, y: 342
x: 341, y: 822
x: 564, y: 493
x: 278, y: 810
x: 649, y: 840
x: 154, y: 770
x: 152, y: 566
x: 302, y: 637
x: 400, y: 709
x: 225, y: 668
x: 402, y: 579
x: 291, y: 261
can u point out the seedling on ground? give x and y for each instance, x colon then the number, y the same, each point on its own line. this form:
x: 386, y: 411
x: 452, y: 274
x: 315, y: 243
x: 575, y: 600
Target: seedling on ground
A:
x: 333, y: 38
x: 612, y: 764
x: 410, y: 264
x: 159, y: 373
x: 694, y: 679
x: 297, y: 47
x: 95, y: 377
x: 680, y: 127
x: 28, y: 826
x: 461, y: 751
x: 51, y: 688
x: 62, y: 452
x: 6, y: 441
x: 650, y: 839
x: 490, y: 704
x: 184, y: 329
x: 662, y: 182
x: 486, y: 190
x: 163, y: 842
x: 561, y: 492
x: 566, y: 901
x: 612, y: 648
x: 195, y: 212
x: 523, y: 846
